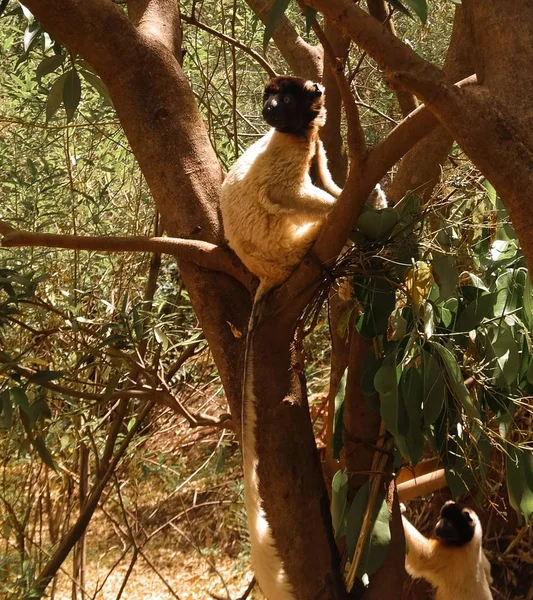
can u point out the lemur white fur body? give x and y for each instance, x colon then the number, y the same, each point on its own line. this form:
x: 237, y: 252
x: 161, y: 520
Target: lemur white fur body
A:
x: 272, y: 214
x: 457, y: 573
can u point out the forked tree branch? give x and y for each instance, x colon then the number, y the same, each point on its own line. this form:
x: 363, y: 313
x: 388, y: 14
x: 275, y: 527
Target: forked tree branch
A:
x: 202, y: 254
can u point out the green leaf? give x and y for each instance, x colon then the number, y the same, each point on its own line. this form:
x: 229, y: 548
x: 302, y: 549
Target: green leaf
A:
x: 420, y: 7
x: 377, y: 224
x: 528, y: 302
x: 502, y: 353
x: 18, y: 395
x: 491, y: 192
x: 71, y: 93
x: 475, y: 312
x: 377, y: 300
x: 338, y: 441
x: 519, y: 470
x: 310, y: 18
x: 379, y: 537
x: 455, y: 380
x: 379, y: 540
x: 434, y: 390
x: 386, y: 383
x: 398, y: 5
x: 30, y: 35
x: 428, y: 319
x: 94, y: 81
x: 49, y: 65
x: 55, y: 97
x: 354, y: 518
x: 274, y: 19
x: 45, y: 376
x: 43, y: 451
x: 339, y: 502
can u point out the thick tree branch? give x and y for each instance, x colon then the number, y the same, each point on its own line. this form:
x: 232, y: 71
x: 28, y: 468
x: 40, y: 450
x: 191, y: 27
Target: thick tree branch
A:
x: 159, y: 20
x: 202, y: 254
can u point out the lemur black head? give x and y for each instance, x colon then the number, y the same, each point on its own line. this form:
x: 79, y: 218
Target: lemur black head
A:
x: 456, y: 525
x: 293, y: 105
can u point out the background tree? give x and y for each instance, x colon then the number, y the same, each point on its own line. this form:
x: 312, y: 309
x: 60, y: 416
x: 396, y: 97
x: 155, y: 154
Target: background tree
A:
x: 439, y: 284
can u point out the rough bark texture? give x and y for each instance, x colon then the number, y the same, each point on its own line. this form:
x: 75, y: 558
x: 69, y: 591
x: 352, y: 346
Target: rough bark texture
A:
x: 421, y: 167
x: 164, y: 127
x: 295, y: 499
x: 501, y: 33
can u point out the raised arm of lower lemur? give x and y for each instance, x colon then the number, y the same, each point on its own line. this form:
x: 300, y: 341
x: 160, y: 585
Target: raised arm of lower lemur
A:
x: 453, y: 560
x: 272, y: 212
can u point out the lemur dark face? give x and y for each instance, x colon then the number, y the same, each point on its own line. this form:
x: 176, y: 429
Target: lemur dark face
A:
x: 293, y: 105
x: 455, y: 526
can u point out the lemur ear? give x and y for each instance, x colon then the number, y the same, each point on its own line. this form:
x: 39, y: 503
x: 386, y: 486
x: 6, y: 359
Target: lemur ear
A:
x: 319, y: 90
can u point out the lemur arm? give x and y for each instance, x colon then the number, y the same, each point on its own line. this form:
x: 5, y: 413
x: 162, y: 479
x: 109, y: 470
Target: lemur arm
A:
x: 308, y: 199
x: 421, y: 557
x: 323, y: 172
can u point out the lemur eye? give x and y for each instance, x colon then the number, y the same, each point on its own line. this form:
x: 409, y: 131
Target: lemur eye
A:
x: 466, y: 514
x: 286, y: 99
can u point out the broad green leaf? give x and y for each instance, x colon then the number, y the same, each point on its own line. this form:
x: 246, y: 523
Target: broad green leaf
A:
x: 376, y: 224
x: 337, y: 421
x: 455, y: 380
x: 491, y: 192
x: 475, y: 312
x: 94, y: 81
x: 420, y: 7
x: 434, y: 389
x: 310, y: 18
x: 30, y: 35
x: 19, y: 398
x: 339, y: 502
x: 397, y: 325
x: 377, y: 299
x: 55, y: 97
x: 519, y: 470
x: 476, y: 281
x: 386, y: 384
x: 274, y: 19
x: 43, y: 451
x: 379, y: 540
x: 411, y: 388
x: 49, y: 65
x: 45, y: 376
x: 71, y: 93
x: 502, y: 353
x: 379, y: 536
